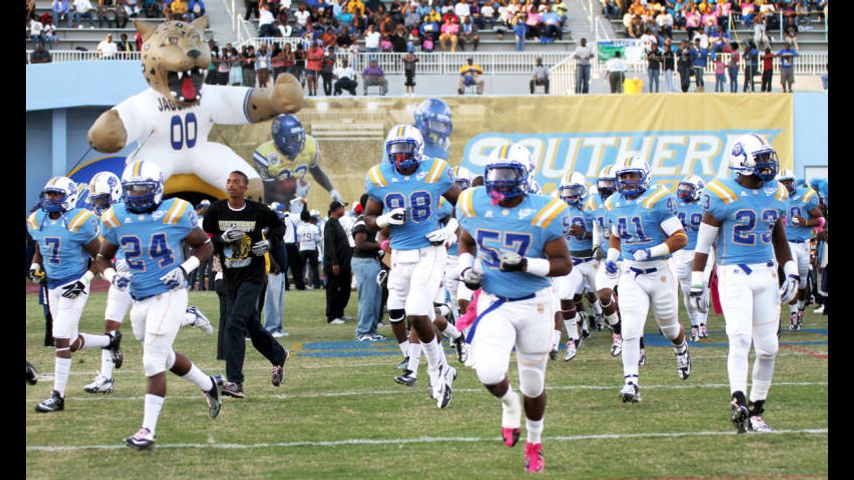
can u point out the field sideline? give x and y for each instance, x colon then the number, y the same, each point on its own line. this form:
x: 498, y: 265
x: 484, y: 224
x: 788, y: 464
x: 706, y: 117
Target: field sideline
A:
x: 339, y: 413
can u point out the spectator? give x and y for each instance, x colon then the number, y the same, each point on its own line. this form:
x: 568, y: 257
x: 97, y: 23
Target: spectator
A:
x: 792, y: 36
x: 767, y: 70
x: 751, y: 64
x: 732, y: 67
x: 291, y: 218
x: 309, y: 242
x: 223, y: 65
x: 699, y: 57
x: 180, y: 10
x: 277, y: 61
x: 648, y: 40
x: 337, y: 256
x: 468, y: 33
x: 462, y: 9
x: 692, y: 21
x: 668, y: 57
x: 520, y: 29
x: 487, y: 16
x: 398, y: 40
x: 40, y: 55
x: 616, y: 68
x: 344, y: 40
x: 124, y: 46
x: 346, y: 79
x: 541, y: 77
x: 429, y: 31
x: 582, y: 56
x: 122, y: 15
x: 635, y: 29
x: 274, y: 301
x: 412, y: 19
x: 787, y: 67
x: 248, y: 66
x: 653, y: 58
x: 450, y: 31
x: 747, y: 12
x: 720, y: 72
x: 372, y: 40
x: 302, y: 15
x: 551, y: 24
x: 83, y: 9
x: 262, y: 65
x: 197, y: 9
x: 299, y: 64
x: 683, y: 64
x: 314, y: 64
x: 327, y: 70
x: 61, y: 11
x: 409, y: 62
x: 372, y: 76
x: 266, y: 21
x: 470, y: 75
x: 533, y: 20
x: 365, y: 266
x: 610, y: 9
x: 106, y: 48
x: 36, y: 28
x: 251, y: 7
x: 665, y: 23
x: 290, y: 59
x: 759, y: 34
x: 235, y: 71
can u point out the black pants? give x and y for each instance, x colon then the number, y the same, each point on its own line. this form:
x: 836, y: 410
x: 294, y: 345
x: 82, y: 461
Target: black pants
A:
x: 346, y: 84
x: 544, y: 82
x: 219, y: 285
x: 295, y: 265
x: 309, y: 259
x: 251, y: 6
x: 48, y: 318
x: 337, y: 291
x: 242, y: 307
x: 749, y: 72
x: 767, y: 77
x: 685, y: 78
x: 327, y: 83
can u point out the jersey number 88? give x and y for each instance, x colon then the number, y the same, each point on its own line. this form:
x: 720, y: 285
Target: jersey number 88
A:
x: 419, y: 207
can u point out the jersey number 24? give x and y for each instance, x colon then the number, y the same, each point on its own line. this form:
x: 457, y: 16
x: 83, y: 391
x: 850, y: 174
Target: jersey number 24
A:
x: 158, y: 251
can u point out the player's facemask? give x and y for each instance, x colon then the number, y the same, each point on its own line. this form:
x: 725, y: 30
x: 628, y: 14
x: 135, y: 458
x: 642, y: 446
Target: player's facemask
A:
x: 686, y: 192
x: 100, y: 203
x: 139, y: 197
x: 572, y: 194
x: 766, y: 165
x: 403, y: 155
x: 505, y: 181
x: 53, y: 203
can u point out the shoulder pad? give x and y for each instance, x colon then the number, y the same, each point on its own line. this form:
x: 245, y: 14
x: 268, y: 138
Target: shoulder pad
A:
x: 718, y: 189
x: 375, y: 174
x: 590, y: 204
x: 78, y: 219
x: 176, y: 211
x: 439, y: 167
x: 653, y: 198
x: 609, y: 204
x: 32, y: 220
x: 109, y: 218
x: 549, y: 212
x: 782, y: 193
x: 465, y: 203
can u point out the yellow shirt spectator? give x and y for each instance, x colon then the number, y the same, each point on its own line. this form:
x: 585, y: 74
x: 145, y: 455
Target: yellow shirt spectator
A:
x: 356, y: 7
x: 179, y: 6
x: 471, y: 70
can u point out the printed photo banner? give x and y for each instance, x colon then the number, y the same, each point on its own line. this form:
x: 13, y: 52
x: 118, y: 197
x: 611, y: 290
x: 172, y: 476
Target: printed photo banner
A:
x: 677, y: 134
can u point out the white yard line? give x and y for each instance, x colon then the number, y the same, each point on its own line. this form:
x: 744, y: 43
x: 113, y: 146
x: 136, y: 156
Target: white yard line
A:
x: 403, y: 441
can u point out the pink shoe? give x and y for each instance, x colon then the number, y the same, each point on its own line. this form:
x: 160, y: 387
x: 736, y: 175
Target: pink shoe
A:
x: 534, y: 461
x: 510, y: 436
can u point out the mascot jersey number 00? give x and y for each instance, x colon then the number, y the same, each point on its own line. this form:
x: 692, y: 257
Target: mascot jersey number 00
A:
x: 172, y: 118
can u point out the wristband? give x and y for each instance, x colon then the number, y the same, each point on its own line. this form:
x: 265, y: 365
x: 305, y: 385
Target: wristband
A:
x: 660, y: 250
x: 697, y: 279
x: 87, y: 277
x: 538, y: 266
x: 706, y: 235
x: 190, y: 264
x: 108, y: 274
x: 613, y: 254
x: 790, y: 268
x: 35, y: 266
x: 465, y: 260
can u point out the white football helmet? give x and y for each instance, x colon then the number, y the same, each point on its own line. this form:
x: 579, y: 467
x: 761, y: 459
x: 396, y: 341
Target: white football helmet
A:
x: 690, y: 188
x: 573, y: 188
x: 753, y: 155
x: 788, y: 179
x: 634, y: 164
x: 506, y: 174
x: 65, y: 198
x: 606, y: 183
x: 142, y: 186
x: 462, y: 177
x: 404, y: 146
x: 105, y: 189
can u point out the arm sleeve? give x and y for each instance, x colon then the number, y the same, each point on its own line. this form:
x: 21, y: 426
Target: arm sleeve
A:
x: 229, y: 105
x: 108, y: 233
x: 328, y: 246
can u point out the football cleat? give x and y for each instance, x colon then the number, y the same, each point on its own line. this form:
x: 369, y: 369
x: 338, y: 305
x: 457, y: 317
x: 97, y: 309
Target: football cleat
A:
x: 695, y: 334
x: 201, y: 322
x: 214, y: 395
x: 100, y: 385
x: 54, y: 403
x: 703, y: 332
x: 793, y: 322
x: 756, y: 424
x: 642, y: 358
x: 403, y: 364
x: 467, y: 357
x: 553, y: 353
x: 458, y: 346
x: 599, y: 323
x: 115, y: 348
x: 232, y: 389
x: 141, y: 440
x: 32, y: 374
x: 617, y: 344
x: 683, y: 364
x: 434, y: 387
x: 406, y: 379
x: 630, y: 393
x: 447, y: 377
x: 571, y: 350
x: 279, y: 370
x: 534, y: 461
x: 510, y: 436
x: 800, y: 318
x: 585, y: 327
x: 740, y: 415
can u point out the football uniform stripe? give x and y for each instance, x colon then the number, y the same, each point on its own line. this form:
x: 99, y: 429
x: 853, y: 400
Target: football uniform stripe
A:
x: 714, y: 187
x: 560, y: 208
x: 545, y: 212
x: 170, y: 212
x: 79, y: 220
x: 654, y: 198
x: 178, y: 212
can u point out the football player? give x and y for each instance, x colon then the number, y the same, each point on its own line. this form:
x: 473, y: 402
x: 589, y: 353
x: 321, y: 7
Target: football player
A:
x: 433, y: 120
x: 644, y: 233
x: 690, y: 213
x: 105, y: 190
x: 149, y: 231
x: 519, y: 238
x: 283, y: 162
x: 404, y: 193
x: 802, y: 214
x: 66, y: 240
x: 743, y: 218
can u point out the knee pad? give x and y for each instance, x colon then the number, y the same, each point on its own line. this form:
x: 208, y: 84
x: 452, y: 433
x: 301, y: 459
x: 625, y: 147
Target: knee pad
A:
x: 739, y: 342
x: 396, y: 316
x: 490, y: 373
x: 532, y: 373
x: 766, y: 347
x: 155, y: 357
x: 671, y: 331
x: 170, y: 360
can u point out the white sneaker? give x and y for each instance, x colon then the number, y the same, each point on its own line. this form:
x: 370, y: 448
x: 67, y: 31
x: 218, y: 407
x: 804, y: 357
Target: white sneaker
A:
x: 100, y: 385
x: 337, y: 321
x: 201, y: 322
x: 347, y: 318
x: 281, y: 334
x: 435, y: 387
x: 449, y: 374
x: 630, y: 393
x: 819, y: 310
x: 571, y: 351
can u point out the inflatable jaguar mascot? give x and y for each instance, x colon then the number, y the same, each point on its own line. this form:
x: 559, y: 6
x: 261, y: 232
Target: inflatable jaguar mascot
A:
x: 171, y: 119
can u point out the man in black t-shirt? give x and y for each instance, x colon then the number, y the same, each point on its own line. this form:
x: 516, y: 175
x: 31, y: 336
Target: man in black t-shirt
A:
x: 336, y: 264
x: 236, y: 226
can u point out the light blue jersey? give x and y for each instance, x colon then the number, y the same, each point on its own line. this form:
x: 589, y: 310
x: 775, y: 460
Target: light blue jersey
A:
x: 151, y: 241
x: 584, y: 219
x: 800, y: 204
x: 120, y: 255
x: 748, y: 217
x: 418, y: 194
x: 431, y: 150
x: 691, y: 216
x: 446, y: 210
x: 62, y: 243
x: 596, y: 206
x: 524, y: 229
x: 638, y: 221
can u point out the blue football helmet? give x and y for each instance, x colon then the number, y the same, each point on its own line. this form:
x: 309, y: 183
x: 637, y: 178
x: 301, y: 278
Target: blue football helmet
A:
x: 690, y: 188
x: 752, y: 155
x: 506, y: 173
x: 404, y: 147
x: 288, y: 135
x: 65, y: 198
x: 142, y: 186
x: 633, y: 165
x: 433, y: 120
x: 572, y: 188
x: 105, y: 189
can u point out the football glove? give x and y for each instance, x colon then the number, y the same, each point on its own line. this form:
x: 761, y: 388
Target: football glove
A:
x: 396, y: 216
x: 121, y: 280
x: 611, y: 269
x: 174, y: 279
x: 642, y: 254
x: 73, y: 290
x: 471, y: 278
x: 382, y: 276
x: 260, y: 248
x: 438, y: 237
x: 789, y: 289
x: 598, y: 253
x: 697, y: 299
x: 36, y: 274
x: 512, y: 262
x: 232, y: 235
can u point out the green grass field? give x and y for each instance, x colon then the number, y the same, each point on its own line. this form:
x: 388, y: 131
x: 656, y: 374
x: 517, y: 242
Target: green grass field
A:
x: 339, y: 414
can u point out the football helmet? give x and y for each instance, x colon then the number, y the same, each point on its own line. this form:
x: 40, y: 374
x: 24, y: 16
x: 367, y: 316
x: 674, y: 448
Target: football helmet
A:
x: 404, y: 147
x: 433, y: 120
x: 462, y: 177
x: 606, y: 183
x: 632, y: 165
x: 288, y: 135
x: 690, y: 188
x: 142, y: 186
x: 573, y: 188
x: 752, y: 155
x: 279, y: 208
x: 506, y: 174
x: 788, y: 179
x: 105, y: 189
x: 66, y: 198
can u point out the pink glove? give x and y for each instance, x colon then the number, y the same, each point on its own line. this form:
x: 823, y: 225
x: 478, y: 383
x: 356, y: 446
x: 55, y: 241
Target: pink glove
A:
x: 384, y: 245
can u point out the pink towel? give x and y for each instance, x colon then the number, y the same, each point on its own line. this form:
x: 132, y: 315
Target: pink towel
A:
x: 467, y: 319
